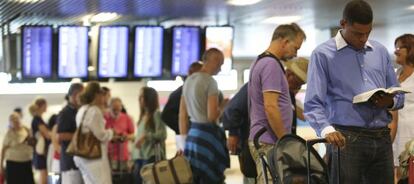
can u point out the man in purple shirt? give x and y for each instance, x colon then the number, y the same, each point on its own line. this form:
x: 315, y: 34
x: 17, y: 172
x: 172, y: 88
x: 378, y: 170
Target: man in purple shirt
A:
x: 269, y: 101
x: 340, y: 69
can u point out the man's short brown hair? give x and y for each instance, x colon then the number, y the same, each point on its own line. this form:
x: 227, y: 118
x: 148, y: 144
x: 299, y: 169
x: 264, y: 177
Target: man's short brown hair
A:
x: 289, y: 31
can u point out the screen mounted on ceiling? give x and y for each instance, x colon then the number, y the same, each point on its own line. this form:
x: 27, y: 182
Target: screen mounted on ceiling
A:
x: 113, y: 52
x: 185, y: 49
x: 148, y: 51
x: 37, y: 51
x: 73, y: 52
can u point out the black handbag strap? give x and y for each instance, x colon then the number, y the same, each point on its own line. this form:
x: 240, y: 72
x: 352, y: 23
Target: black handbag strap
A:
x: 261, y: 56
x: 173, y: 171
x: 155, y: 174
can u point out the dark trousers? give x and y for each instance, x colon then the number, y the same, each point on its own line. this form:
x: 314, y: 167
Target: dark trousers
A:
x: 139, y: 163
x: 19, y: 172
x: 367, y: 157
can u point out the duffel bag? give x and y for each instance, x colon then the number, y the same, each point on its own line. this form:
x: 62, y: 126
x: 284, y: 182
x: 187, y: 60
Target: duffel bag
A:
x: 173, y: 171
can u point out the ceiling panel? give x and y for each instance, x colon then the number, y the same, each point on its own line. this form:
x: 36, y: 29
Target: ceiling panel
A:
x: 321, y: 13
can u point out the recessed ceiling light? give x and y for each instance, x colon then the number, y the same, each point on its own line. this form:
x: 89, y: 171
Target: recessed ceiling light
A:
x: 91, y: 68
x: 104, y: 17
x: 281, y: 19
x: 242, y: 2
x: 39, y: 80
x: 411, y: 7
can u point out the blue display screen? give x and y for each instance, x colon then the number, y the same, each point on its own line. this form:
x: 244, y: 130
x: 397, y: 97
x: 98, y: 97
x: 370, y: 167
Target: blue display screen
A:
x: 113, y: 52
x: 37, y: 51
x: 186, y: 49
x: 73, y: 52
x: 148, y: 51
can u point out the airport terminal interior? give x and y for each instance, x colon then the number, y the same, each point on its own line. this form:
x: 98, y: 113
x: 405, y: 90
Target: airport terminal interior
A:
x: 46, y: 45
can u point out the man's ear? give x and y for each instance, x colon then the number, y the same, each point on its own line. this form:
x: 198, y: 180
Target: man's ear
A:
x: 284, y: 42
x: 343, y: 22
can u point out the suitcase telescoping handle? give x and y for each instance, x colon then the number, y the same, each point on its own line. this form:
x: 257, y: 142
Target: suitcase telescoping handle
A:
x: 265, y: 166
x: 309, y: 144
x: 257, y: 136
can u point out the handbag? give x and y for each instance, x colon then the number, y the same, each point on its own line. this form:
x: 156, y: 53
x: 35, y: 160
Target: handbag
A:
x: 84, y: 145
x: 174, y: 171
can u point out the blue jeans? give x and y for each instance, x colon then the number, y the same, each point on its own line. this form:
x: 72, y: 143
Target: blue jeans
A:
x: 365, y: 159
x: 138, y: 164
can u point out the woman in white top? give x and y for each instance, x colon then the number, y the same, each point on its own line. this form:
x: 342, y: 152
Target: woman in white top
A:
x: 404, y: 127
x: 94, y: 171
x: 17, y: 153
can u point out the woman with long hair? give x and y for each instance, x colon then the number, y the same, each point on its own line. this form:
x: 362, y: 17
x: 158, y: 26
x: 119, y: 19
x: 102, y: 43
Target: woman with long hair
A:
x: 17, y: 152
x: 90, y: 115
x: 402, y: 126
x: 41, y: 132
x: 151, y: 132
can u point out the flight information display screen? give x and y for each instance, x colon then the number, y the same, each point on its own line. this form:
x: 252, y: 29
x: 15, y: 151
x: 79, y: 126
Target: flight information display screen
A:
x: 73, y: 52
x: 37, y: 51
x: 222, y: 39
x: 148, y: 51
x: 113, y: 52
x: 186, y: 48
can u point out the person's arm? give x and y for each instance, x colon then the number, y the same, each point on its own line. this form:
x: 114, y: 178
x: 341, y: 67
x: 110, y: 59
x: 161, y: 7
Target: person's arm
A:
x: 183, y: 117
x: 392, y: 81
x: 44, y: 131
x: 130, y: 136
x: 65, y: 136
x: 315, y: 100
x: 393, y: 125
x: 299, y: 113
x: 66, y: 126
x: 271, y: 107
x: 213, y: 111
x: 3, y: 152
x: 222, y: 105
x: 55, y: 140
x: 213, y: 105
x: 235, y: 113
x: 97, y: 125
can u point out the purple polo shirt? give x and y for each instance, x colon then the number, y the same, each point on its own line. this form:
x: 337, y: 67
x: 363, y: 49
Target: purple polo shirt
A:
x: 267, y: 75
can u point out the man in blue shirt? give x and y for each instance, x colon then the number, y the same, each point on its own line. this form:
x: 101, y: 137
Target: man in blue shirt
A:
x: 342, y: 67
x: 66, y: 128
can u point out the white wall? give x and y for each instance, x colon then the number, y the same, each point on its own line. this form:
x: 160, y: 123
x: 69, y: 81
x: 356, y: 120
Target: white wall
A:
x: 251, y: 40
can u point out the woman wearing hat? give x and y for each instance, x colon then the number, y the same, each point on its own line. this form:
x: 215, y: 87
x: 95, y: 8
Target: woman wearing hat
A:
x: 296, y: 73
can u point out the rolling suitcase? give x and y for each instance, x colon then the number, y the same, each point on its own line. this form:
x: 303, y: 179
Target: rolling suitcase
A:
x: 309, y: 145
x: 120, y: 175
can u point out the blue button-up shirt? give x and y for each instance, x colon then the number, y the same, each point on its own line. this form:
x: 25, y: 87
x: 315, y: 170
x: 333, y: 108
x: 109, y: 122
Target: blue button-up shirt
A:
x: 337, y: 72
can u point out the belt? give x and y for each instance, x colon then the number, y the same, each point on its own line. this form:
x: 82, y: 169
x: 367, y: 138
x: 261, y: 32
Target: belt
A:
x: 365, y: 132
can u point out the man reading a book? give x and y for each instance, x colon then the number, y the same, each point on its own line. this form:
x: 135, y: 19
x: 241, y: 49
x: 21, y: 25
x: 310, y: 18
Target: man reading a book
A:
x: 341, y: 68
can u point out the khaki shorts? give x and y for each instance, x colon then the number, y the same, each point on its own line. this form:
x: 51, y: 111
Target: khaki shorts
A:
x: 264, y: 148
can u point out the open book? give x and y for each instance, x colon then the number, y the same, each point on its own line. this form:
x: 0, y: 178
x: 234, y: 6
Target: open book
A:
x: 365, y: 96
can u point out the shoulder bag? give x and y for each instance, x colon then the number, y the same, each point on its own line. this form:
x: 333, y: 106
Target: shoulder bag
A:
x: 84, y: 145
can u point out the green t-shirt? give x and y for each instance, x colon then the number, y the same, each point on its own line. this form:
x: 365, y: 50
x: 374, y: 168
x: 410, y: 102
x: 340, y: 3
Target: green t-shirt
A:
x: 148, y: 149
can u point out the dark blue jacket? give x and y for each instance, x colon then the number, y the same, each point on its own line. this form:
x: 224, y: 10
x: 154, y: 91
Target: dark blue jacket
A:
x: 235, y: 116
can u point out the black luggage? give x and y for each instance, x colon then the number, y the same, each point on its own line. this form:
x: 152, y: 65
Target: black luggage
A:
x: 120, y: 175
x: 293, y: 160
